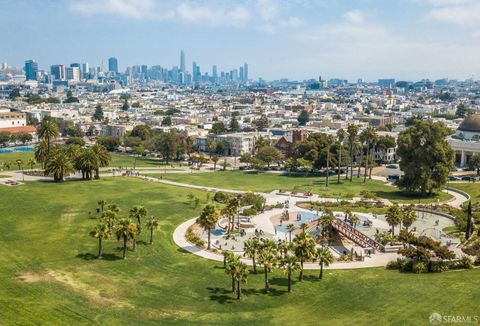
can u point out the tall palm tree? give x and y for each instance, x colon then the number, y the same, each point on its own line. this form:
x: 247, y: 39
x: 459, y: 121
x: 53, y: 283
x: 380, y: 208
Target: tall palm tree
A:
x: 101, y: 231
x: 290, y: 229
x: 240, y: 274
x: 369, y: 136
x: 328, y: 149
x: 251, y: 249
x: 408, y: 217
x: 268, y: 259
x: 41, y: 153
x: 31, y: 162
x: 290, y: 265
x: 352, y: 133
x: 229, y: 261
x: 138, y: 212
x: 324, y: 257
x: 207, y: 220
x: 58, y: 164
x: 340, y: 137
x: 126, y: 231
x: 103, y: 158
x: 230, y: 211
x: 48, y: 131
x: 393, y: 217
x: 87, y: 162
x: 326, y: 221
x: 152, y: 224
x: 19, y: 163
x: 304, y: 249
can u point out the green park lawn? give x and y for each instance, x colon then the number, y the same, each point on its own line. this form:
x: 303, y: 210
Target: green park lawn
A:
x: 44, y: 228
x: 473, y: 189
x: 117, y: 160
x: 267, y: 182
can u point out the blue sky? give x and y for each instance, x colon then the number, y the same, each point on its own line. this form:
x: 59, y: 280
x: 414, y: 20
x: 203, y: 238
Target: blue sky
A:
x: 296, y: 39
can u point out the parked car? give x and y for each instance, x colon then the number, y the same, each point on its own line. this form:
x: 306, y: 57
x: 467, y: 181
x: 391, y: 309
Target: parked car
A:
x: 468, y: 178
x: 393, y: 178
x: 453, y: 178
x: 392, y: 166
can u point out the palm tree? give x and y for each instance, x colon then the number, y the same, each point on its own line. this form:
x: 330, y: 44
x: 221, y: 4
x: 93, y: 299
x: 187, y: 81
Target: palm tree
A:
x: 290, y: 264
x: 86, y: 162
x: 290, y: 228
x: 19, y: 164
x: 58, y: 164
x: 31, y: 162
x: 393, y: 217
x: 101, y: 231
x: 326, y: 221
x: 230, y: 211
x: 267, y: 258
x: 352, y: 132
x: 324, y: 257
x: 109, y: 217
x: 328, y: 148
x: 41, y: 153
x: 370, y: 137
x: 251, y: 248
x: 240, y: 274
x: 48, y: 131
x: 355, y: 220
x: 138, y: 212
x: 208, y: 219
x: 103, y: 158
x: 114, y: 208
x: 304, y: 249
x: 102, y: 204
x: 341, y: 137
x: 152, y: 224
x: 215, y: 160
x: 125, y: 230
x: 229, y: 261
x: 7, y: 165
x: 408, y: 216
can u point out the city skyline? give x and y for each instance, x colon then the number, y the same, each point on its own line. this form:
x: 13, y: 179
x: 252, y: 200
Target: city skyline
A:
x: 296, y: 39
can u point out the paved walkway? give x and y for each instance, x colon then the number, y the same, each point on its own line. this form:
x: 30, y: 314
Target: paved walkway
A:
x: 179, y: 239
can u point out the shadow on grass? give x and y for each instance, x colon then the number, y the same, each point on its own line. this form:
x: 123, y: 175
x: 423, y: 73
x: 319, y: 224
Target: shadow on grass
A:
x: 399, y: 195
x: 221, y: 295
x: 90, y: 256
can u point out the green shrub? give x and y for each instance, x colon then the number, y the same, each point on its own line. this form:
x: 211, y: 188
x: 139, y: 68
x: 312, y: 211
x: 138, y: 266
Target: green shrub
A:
x: 405, y: 265
x: 393, y: 264
x: 250, y: 211
x: 437, y: 266
x: 194, y: 238
x: 221, y: 197
x: 464, y: 263
x: 419, y: 267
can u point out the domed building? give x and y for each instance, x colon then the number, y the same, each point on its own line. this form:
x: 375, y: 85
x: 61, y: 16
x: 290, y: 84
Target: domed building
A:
x: 466, y: 140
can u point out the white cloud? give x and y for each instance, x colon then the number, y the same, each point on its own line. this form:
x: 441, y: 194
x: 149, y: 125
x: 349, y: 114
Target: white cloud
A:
x: 457, y: 12
x: 137, y: 9
x: 354, y: 16
x: 196, y: 14
x: 292, y: 22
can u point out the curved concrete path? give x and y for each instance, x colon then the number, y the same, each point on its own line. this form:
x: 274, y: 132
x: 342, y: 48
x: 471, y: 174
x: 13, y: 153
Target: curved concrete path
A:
x: 179, y: 239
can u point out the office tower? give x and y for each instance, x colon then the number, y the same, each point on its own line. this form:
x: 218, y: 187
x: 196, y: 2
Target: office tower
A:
x: 245, y: 72
x: 85, y: 71
x: 194, y: 72
x: 182, y: 62
x: 241, y: 74
x: 214, y: 71
x: 31, y: 69
x: 4, y: 66
x: 113, y: 65
x: 72, y: 73
x: 57, y: 72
